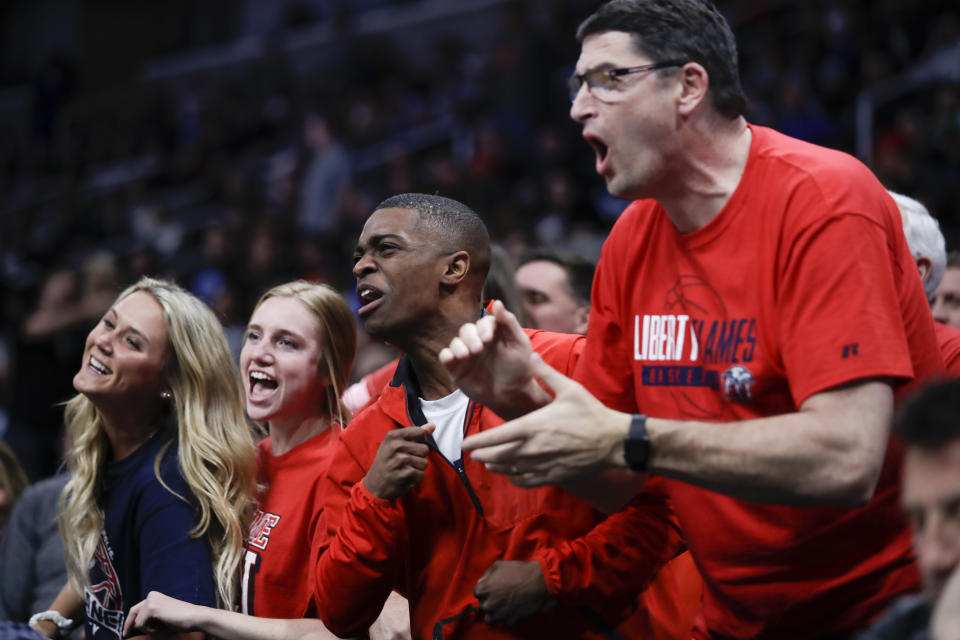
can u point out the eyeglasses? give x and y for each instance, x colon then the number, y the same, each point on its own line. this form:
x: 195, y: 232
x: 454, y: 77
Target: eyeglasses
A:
x: 604, y: 84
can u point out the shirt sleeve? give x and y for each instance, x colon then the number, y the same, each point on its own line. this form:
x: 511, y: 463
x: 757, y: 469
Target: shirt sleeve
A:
x: 357, y: 556
x: 604, y: 368
x: 562, y: 351
x: 839, y: 307
x: 171, y: 560
x: 619, y: 557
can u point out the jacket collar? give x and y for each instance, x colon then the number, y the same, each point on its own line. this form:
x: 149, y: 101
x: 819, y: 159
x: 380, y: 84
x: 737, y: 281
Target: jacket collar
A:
x: 404, y: 384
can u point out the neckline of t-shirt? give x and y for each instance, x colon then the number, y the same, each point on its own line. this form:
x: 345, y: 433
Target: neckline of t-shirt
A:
x: 446, y: 404
x: 327, y: 434
x: 136, y: 457
x: 725, y: 217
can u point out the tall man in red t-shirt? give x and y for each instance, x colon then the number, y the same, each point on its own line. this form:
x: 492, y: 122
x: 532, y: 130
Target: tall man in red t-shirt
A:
x: 757, y: 300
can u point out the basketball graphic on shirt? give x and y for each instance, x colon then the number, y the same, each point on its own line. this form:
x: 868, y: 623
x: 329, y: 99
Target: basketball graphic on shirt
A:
x: 693, y: 296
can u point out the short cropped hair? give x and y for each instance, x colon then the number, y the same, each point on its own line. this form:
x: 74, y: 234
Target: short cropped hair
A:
x: 953, y: 259
x: 451, y: 221
x: 930, y: 418
x: 690, y: 30
x: 923, y: 237
x: 579, y: 271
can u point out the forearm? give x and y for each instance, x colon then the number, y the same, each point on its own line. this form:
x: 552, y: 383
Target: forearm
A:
x: 357, y: 571
x: 230, y: 624
x: 790, y: 459
x: 830, y: 451
x: 618, y: 557
x: 68, y: 603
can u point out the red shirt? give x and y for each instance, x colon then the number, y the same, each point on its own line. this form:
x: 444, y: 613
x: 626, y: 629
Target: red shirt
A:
x: 949, y: 340
x: 802, y: 282
x: 433, y: 543
x: 277, y: 575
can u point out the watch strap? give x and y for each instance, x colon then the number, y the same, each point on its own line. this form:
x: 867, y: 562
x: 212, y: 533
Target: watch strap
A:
x: 636, y: 446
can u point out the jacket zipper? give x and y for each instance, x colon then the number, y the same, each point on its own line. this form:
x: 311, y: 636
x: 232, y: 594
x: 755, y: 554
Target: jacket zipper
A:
x: 459, y: 467
x: 416, y: 417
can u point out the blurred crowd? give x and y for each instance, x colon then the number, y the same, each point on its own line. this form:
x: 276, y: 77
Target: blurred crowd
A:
x: 235, y: 178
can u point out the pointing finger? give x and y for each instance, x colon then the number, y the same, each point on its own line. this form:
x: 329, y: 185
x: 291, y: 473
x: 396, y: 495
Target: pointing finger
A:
x: 497, y: 445
x: 507, y: 320
x: 555, y: 380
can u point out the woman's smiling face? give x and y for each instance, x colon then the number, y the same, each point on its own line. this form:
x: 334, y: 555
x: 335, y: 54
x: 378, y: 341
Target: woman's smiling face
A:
x: 124, y: 354
x: 279, y: 362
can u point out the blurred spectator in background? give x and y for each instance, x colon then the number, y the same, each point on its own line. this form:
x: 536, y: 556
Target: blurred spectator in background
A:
x: 4, y: 384
x: 13, y: 481
x: 928, y: 426
x: 31, y: 553
x: 47, y: 348
x: 501, y: 283
x: 946, y: 298
x: 555, y: 289
x: 325, y: 178
x: 929, y: 250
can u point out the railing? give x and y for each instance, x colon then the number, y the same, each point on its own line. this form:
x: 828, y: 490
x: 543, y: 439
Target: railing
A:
x: 944, y: 65
x: 371, y: 21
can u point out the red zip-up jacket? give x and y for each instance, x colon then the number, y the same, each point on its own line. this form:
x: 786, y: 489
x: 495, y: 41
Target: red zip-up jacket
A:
x: 435, y: 542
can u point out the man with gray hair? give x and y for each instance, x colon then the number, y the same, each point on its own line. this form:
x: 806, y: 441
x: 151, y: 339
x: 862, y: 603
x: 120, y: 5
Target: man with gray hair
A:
x: 946, y: 300
x: 929, y: 250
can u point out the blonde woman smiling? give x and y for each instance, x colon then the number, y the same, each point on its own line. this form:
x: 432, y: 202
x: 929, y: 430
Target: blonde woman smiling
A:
x: 161, y: 459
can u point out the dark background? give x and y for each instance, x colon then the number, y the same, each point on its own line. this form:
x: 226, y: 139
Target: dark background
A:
x: 233, y: 145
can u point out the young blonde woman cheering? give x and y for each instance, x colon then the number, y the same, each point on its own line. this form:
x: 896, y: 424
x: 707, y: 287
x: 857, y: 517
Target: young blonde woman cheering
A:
x: 295, y: 364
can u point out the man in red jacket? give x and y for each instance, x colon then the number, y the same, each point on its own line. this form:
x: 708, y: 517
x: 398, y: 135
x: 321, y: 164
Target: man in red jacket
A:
x: 475, y: 556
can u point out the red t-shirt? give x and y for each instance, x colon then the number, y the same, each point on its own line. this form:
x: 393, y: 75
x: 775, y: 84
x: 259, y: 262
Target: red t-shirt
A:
x: 277, y: 572
x: 802, y: 282
x: 949, y: 340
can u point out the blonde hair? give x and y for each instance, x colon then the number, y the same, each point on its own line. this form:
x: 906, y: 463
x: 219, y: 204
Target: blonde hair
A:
x: 338, y: 337
x: 215, y: 445
x: 12, y: 476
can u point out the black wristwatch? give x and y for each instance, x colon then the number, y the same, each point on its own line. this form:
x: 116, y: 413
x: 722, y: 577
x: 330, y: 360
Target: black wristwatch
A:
x: 636, y: 446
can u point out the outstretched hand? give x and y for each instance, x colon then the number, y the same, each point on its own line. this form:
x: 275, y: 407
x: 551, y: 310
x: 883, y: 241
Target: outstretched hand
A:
x: 400, y: 462
x: 490, y: 361
x: 159, y: 615
x: 571, y: 437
